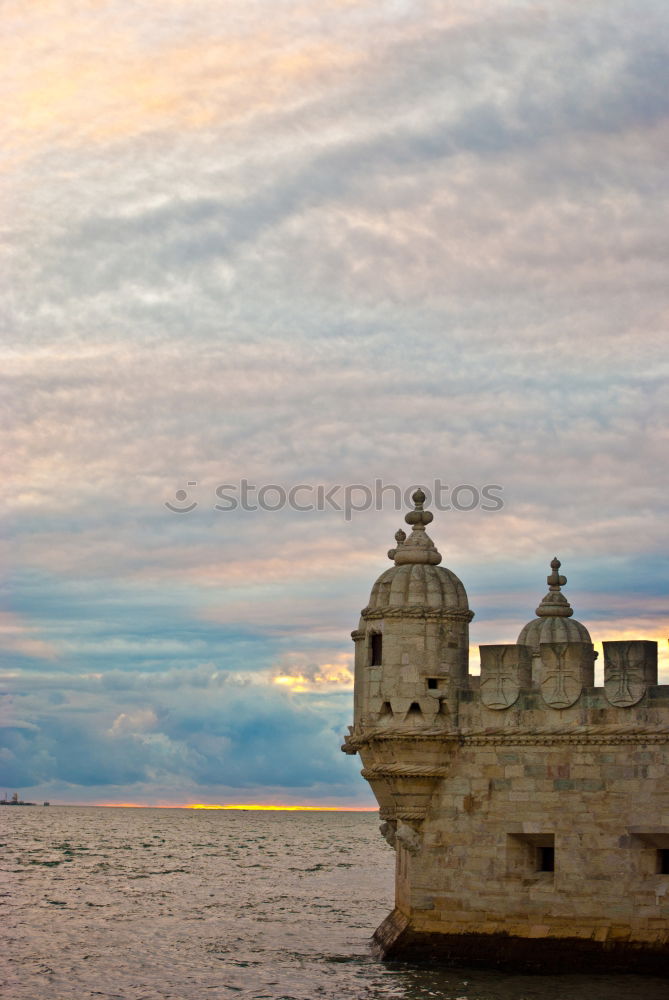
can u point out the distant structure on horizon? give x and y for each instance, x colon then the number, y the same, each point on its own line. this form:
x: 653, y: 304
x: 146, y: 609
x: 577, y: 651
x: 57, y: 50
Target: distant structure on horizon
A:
x: 16, y: 801
x: 528, y: 809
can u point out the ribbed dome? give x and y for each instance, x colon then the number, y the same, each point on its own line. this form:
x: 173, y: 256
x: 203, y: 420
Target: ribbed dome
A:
x: 552, y: 630
x: 418, y: 584
x: 554, y: 622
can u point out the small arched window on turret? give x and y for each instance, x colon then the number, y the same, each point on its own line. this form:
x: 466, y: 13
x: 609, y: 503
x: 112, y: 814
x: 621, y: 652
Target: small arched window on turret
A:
x: 376, y: 649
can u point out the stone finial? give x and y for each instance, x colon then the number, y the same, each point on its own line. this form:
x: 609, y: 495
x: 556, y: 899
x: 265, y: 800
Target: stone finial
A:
x: 555, y: 581
x: 555, y: 604
x: 400, y: 538
x: 419, y: 547
x: 418, y: 515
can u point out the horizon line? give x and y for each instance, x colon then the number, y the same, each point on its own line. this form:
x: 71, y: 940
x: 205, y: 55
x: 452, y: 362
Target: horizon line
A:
x: 256, y: 806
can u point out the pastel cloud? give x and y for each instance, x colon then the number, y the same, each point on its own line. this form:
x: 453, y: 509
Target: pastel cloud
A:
x: 300, y: 245
x: 93, y: 75
x: 19, y: 637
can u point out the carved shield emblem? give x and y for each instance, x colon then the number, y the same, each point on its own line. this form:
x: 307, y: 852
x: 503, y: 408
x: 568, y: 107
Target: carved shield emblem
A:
x: 504, y: 671
x: 566, y: 667
x: 629, y: 668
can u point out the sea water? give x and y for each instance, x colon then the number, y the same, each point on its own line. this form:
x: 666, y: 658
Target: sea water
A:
x: 150, y: 904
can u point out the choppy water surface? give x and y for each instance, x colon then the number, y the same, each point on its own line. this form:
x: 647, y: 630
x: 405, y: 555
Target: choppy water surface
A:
x: 154, y: 903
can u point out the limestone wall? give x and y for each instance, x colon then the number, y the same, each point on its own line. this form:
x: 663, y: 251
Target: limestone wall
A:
x: 529, y: 821
x: 602, y: 807
x: 423, y: 663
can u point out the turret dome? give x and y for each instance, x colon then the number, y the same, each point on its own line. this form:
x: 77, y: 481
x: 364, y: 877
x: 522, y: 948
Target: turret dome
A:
x: 414, y: 584
x: 416, y: 580
x: 554, y: 621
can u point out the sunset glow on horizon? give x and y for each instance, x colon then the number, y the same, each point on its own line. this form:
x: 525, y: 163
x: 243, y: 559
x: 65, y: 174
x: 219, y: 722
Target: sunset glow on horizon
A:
x: 242, y: 806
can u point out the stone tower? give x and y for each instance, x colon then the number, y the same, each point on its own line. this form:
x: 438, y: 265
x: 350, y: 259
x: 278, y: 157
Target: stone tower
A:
x: 528, y: 809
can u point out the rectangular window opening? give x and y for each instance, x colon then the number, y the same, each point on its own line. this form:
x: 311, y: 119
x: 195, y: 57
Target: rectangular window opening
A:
x: 546, y: 859
x: 433, y: 683
x: 530, y: 855
x: 377, y: 642
x: 663, y: 861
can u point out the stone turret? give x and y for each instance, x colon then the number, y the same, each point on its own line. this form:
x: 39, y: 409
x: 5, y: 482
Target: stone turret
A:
x: 554, y: 622
x: 527, y: 807
x: 411, y: 659
x: 412, y: 643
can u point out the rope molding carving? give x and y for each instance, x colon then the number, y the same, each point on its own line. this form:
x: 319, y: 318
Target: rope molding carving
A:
x: 543, y: 737
x: 603, y: 731
x: 427, y: 736
x: 417, y: 611
x: 404, y: 771
x: 583, y: 739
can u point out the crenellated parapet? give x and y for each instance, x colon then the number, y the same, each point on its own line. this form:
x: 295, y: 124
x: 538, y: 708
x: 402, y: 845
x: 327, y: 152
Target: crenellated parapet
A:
x: 564, y: 671
x: 630, y: 669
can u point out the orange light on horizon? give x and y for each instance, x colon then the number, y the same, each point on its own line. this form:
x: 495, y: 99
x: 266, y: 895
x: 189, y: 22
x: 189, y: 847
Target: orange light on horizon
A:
x: 119, y: 805
x: 281, y: 808
x: 232, y: 806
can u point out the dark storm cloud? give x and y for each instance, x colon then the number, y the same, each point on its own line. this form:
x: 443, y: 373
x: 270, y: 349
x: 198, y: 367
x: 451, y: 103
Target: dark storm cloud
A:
x: 239, y: 735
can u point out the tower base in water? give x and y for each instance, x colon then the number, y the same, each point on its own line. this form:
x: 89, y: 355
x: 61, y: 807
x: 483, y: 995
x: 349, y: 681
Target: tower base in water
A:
x: 395, y: 938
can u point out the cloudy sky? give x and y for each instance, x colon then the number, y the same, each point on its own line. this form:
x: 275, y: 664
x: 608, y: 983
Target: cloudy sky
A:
x: 317, y: 243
